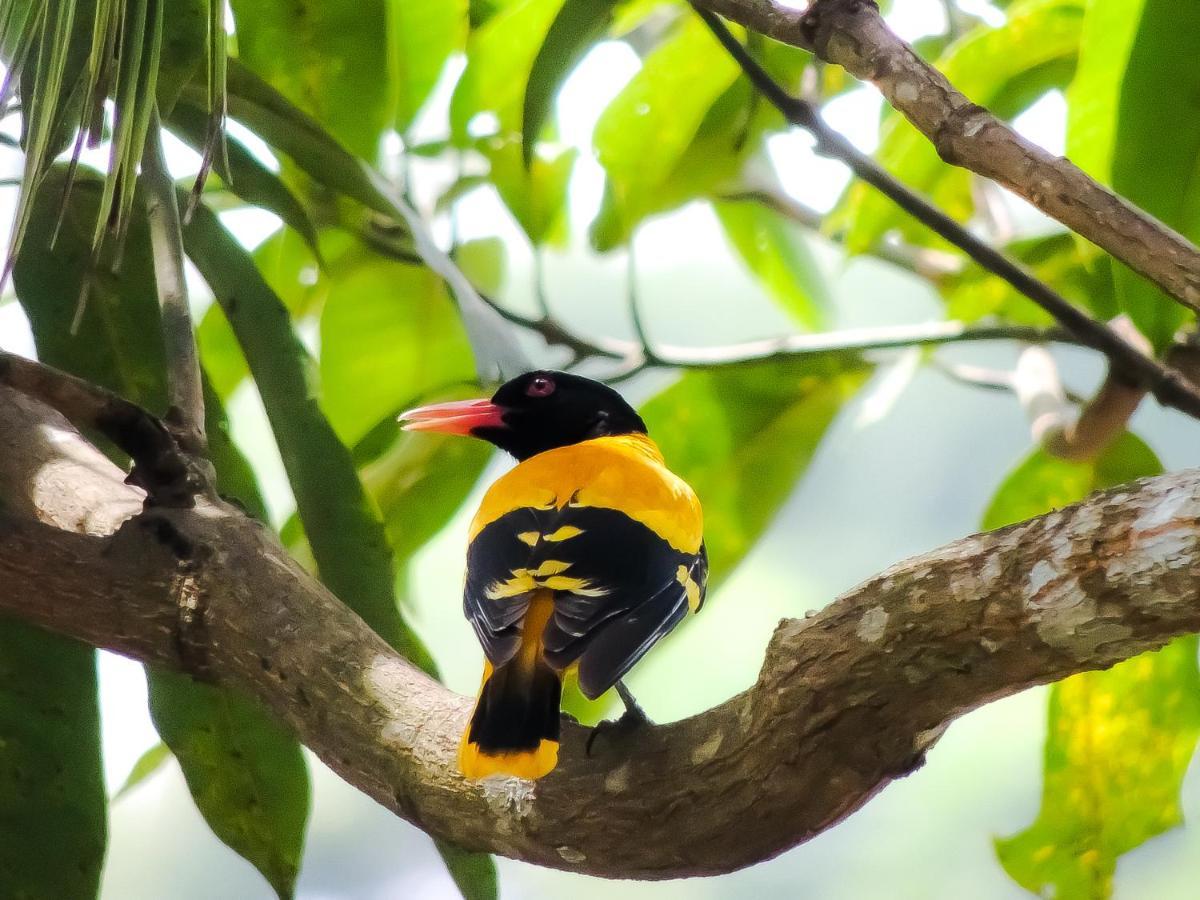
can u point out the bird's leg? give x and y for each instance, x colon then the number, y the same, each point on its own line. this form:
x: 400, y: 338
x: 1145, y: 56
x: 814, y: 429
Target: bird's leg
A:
x: 634, y: 714
x: 633, y: 719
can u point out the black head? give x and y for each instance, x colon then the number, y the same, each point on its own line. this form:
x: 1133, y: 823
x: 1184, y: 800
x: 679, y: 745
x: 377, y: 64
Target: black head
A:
x: 533, y: 413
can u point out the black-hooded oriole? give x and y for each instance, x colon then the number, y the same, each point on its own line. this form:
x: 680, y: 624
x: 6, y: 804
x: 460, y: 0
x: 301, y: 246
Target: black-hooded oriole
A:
x: 582, y: 556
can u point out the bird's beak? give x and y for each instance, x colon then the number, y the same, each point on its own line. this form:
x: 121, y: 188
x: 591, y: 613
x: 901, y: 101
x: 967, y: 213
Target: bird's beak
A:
x: 458, y: 417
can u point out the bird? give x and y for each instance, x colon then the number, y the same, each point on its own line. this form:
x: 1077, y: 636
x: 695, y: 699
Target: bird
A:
x: 579, y: 558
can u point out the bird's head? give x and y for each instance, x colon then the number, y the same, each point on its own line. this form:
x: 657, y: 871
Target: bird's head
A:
x: 533, y: 413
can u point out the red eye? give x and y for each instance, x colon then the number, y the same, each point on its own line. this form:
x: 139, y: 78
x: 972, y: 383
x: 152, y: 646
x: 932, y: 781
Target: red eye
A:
x: 541, y: 386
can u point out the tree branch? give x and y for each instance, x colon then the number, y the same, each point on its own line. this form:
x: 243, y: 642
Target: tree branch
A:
x: 852, y: 34
x: 184, y: 384
x: 170, y: 477
x: 846, y: 701
x: 1167, y: 385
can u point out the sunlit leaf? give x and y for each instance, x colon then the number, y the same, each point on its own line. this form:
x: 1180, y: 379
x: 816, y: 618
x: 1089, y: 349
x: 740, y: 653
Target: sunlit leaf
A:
x: 500, y: 55
x: 289, y: 130
x: 327, y: 57
x: 389, y: 333
x: 576, y: 27
x: 536, y: 195
x: 642, y: 135
x: 424, y: 34
x: 1118, y: 742
x: 1077, y: 270
x: 1118, y: 746
x: 779, y: 257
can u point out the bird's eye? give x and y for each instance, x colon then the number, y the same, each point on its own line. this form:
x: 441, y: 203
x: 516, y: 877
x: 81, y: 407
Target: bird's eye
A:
x: 541, y: 386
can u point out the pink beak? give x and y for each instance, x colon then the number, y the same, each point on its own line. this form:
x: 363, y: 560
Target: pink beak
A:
x: 458, y: 417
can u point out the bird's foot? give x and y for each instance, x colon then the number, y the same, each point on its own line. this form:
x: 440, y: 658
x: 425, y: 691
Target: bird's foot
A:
x: 633, y: 720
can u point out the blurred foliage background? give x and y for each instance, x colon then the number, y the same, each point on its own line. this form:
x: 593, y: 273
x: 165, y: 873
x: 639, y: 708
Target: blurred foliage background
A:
x: 601, y: 166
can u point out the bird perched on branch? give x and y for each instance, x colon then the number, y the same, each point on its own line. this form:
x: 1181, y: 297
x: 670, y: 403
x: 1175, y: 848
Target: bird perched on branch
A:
x: 581, y: 557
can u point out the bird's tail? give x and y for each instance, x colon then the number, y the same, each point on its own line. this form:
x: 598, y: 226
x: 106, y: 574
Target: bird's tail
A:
x: 514, y: 729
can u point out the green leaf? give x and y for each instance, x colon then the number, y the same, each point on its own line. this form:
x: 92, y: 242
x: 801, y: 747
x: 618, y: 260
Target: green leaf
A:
x: 474, y: 873
x: 245, y: 772
x: 1159, y: 97
x: 642, y: 135
x: 779, y: 257
x: 1119, y: 742
x: 424, y: 34
x: 536, y: 195
x: 985, y: 65
x: 329, y: 57
x: 147, y: 764
x: 578, y: 25
x: 52, y: 797
x: 1076, y: 269
x: 762, y: 424
x: 1118, y: 746
x: 500, y: 56
x: 1042, y: 482
x: 388, y: 334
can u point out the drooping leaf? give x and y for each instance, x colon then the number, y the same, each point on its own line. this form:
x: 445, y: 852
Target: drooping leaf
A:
x: 329, y: 57
x: 423, y: 35
x: 52, y: 797
x: 245, y: 771
x: 1118, y: 742
x: 577, y: 26
x: 1160, y: 95
x: 343, y: 527
x: 1117, y: 747
x: 984, y: 64
x: 762, y: 424
x: 779, y: 258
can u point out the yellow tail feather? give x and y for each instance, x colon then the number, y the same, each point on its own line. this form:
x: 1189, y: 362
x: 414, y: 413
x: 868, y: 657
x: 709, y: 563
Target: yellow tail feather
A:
x: 531, y: 764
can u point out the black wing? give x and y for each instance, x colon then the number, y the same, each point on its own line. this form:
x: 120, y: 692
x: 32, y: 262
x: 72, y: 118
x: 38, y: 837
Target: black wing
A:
x: 618, y: 587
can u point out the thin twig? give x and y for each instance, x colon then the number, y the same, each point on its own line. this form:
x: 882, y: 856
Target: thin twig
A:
x: 1167, y: 385
x: 184, y: 384
x: 649, y: 356
x: 849, y: 340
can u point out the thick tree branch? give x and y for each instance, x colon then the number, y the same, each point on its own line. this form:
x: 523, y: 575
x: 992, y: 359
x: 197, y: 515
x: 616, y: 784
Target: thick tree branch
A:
x: 852, y: 34
x: 846, y: 701
x: 1168, y: 386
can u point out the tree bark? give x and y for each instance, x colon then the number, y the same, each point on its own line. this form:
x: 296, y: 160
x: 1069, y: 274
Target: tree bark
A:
x: 846, y: 701
x: 853, y: 35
